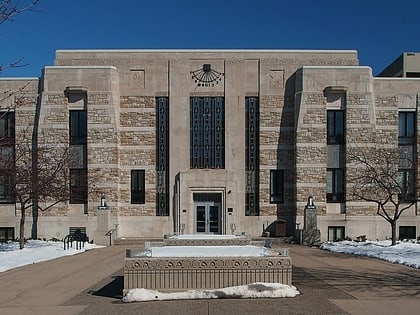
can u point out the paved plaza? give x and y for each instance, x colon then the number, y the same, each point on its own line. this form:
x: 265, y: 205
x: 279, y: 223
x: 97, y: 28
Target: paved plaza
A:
x: 329, y: 283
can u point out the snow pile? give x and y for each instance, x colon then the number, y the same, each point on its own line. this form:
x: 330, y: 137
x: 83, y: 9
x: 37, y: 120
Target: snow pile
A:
x: 207, y: 251
x: 253, y: 290
x: 405, y: 253
x: 35, y: 251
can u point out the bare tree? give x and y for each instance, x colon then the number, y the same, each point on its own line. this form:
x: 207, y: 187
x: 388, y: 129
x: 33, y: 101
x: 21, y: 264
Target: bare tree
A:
x: 384, y: 177
x: 52, y: 184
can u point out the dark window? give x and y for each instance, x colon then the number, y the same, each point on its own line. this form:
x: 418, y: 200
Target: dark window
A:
x: 6, y: 187
x: 137, y: 187
x: 406, y: 182
x: 7, y: 234
x: 78, y: 127
x: 7, y: 157
x: 407, y: 233
x: 7, y: 126
x: 252, y: 165
x: 207, y: 132
x: 78, y: 186
x: 336, y: 233
x: 78, y: 157
x: 335, y: 127
x: 335, y: 185
x: 406, y: 127
x: 276, y: 186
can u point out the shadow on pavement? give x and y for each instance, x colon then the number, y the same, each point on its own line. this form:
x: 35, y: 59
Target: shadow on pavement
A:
x: 113, y: 289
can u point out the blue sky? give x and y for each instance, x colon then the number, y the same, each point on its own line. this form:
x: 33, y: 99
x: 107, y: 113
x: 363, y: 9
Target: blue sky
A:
x: 379, y: 30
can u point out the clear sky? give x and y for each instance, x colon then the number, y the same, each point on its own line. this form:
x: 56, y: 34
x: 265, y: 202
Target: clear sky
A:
x: 380, y: 30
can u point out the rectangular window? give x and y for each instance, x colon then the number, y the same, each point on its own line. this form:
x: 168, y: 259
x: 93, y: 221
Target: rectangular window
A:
x: 78, y: 186
x: 7, y: 126
x: 276, y: 186
x: 336, y: 233
x: 78, y: 157
x: 207, y: 132
x: 406, y: 182
x: 6, y: 187
x: 406, y: 127
x: 137, y: 187
x: 335, y: 185
x: 78, y: 127
x: 407, y: 232
x: 7, y: 157
x: 7, y: 234
x: 335, y: 127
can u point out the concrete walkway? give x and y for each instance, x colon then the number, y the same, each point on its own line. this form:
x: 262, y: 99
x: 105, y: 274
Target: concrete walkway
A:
x: 91, y: 283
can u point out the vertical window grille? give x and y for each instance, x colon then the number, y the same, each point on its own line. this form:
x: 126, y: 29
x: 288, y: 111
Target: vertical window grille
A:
x: 137, y: 187
x: 7, y: 157
x: 252, y: 156
x: 207, y: 132
x: 407, y: 149
x: 162, y: 156
x: 78, y: 157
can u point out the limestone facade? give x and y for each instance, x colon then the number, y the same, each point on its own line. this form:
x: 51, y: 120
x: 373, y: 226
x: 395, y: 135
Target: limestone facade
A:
x: 120, y: 89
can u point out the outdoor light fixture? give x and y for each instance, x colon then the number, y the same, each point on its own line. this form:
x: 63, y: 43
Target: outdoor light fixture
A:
x: 310, y: 203
x: 103, y: 205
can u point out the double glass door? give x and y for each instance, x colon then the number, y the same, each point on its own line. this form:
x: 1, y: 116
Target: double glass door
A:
x: 208, y: 217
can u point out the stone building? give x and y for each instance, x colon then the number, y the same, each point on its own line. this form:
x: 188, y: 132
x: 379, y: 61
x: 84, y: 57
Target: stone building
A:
x: 209, y: 141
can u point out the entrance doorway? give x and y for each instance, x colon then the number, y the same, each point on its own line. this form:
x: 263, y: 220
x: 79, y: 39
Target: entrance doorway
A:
x: 208, y: 213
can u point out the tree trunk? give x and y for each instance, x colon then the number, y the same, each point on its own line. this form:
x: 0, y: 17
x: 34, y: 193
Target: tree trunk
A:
x: 22, y: 228
x: 393, y: 233
x: 34, y: 231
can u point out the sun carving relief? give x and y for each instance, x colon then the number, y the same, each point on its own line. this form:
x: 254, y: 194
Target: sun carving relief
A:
x: 206, y: 76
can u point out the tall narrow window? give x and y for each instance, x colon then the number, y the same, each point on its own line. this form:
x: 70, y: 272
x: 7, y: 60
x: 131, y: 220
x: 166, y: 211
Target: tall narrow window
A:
x: 207, y: 132
x: 78, y: 157
x: 407, y: 149
x: 335, y: 156
x: 335, y: 185
x: 162, y: 156
x: 252, y: 166
x: 137, y: 187
x: 335, y: 127
x: 276, y: 186
x: 7, y: 157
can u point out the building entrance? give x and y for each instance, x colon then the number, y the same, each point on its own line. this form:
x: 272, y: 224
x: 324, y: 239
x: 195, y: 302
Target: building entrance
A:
x: 208, y: 213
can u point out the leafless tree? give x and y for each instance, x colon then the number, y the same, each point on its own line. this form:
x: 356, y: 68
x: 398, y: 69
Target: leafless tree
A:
x: 384, y: 177
x: 48, y: 178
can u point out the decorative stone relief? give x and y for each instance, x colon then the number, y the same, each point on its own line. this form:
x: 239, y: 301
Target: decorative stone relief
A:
x: 137, y: 79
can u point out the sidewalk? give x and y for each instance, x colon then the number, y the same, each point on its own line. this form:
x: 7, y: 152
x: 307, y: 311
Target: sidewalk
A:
x: 330, y: 283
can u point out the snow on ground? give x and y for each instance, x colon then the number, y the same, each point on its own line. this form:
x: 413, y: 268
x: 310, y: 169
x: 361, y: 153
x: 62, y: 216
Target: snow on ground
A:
x: 405, y: 253
x: 253, y: 290
x: 35, y: 251
x: 207, y: 251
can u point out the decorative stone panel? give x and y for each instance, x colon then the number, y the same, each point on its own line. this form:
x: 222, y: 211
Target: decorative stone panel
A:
x: 178, y: 274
